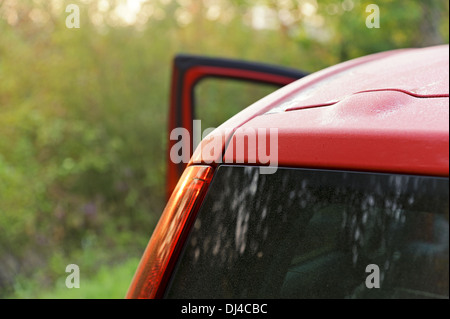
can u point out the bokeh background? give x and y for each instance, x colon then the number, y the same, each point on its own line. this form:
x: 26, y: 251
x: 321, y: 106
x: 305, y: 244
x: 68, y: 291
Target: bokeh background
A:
x: 83, y: 114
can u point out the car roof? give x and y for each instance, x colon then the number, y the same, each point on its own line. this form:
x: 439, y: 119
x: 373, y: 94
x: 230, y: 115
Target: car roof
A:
x: 417, y: 72
x: 386, y: 112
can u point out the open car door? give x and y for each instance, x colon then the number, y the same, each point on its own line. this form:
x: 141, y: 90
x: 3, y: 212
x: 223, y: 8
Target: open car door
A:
x: 187, y: 71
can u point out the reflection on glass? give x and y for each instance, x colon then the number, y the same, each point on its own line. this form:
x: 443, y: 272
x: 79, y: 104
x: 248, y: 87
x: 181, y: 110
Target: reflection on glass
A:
x: 311, y: 234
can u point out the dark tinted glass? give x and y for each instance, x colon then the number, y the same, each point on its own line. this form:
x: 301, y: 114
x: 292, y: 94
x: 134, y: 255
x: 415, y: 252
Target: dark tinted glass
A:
x: 311, y: 234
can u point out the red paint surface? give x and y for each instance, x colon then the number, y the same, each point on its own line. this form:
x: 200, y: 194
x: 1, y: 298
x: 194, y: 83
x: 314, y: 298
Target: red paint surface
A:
x: 387, y: 112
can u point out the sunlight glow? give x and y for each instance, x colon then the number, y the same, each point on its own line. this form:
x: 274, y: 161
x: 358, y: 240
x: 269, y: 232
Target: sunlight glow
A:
x: 128, y: 10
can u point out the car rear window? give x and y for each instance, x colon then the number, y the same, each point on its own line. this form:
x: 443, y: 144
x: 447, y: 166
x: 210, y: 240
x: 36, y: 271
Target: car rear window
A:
x: 303, y: 233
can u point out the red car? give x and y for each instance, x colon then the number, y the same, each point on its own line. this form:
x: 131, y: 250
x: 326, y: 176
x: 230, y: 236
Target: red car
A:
x: 334, y: 186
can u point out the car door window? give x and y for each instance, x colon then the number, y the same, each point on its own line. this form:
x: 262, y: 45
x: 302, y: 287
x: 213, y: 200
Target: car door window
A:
x: 311, y: 234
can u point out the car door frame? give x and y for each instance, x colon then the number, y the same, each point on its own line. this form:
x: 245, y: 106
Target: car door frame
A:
x: 188, y: 71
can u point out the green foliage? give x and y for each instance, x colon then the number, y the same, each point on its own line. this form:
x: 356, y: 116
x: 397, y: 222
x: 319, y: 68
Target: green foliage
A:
x: 83, y: 113
x: 110, y: 282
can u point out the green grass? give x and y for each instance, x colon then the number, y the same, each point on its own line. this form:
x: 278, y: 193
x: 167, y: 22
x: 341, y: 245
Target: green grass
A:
x: 110, y: 282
